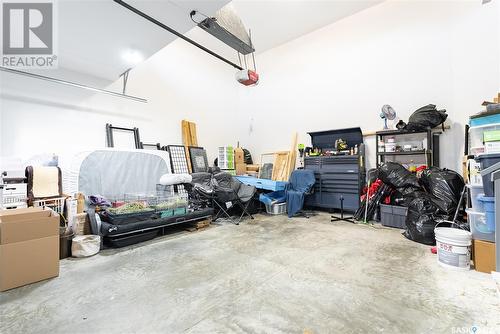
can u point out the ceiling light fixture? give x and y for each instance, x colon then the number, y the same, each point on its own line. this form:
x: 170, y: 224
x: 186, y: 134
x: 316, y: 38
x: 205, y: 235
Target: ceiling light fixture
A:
x: 132, y: 57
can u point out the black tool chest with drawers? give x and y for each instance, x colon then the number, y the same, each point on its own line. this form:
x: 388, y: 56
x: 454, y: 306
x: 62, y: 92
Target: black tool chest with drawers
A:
x: 339, y: 178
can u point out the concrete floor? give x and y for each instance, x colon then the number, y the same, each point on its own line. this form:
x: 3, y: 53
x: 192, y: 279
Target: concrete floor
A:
x: 270, y: 275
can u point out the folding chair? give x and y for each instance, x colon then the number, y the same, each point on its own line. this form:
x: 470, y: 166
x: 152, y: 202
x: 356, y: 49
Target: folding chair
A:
x: 245, y: 195
x: 229, y: 192
x: 200, y: 190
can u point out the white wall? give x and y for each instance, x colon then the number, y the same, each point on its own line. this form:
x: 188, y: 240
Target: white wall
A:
x: 403, y: 53
x: 180, y: 82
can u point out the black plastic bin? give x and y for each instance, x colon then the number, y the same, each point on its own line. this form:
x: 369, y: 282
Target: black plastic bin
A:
x: 393, y: 216
x: 488, y: 160
x: 126, y: 218
x: 127, y: 240
x: 65, y: 241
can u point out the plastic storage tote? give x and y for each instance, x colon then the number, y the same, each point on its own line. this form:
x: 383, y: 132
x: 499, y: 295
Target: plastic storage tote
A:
x: 276, y: 209
x: 393, y: 216
x: 489, y: 210
x: 486, y: 161
x: 478, y: 227
x: 273, y: 197
x: 476, y: 135
x: 475, y: 191
x: 274, y: 202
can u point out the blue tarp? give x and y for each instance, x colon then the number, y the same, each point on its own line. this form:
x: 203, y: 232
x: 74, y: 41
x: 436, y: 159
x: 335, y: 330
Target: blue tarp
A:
x: 273, y: 197
x: 300, y: 183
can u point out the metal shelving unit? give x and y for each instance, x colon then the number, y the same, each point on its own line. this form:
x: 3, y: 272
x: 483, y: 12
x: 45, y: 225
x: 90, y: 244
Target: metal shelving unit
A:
x: 430, y: 152
x: 419, y: 152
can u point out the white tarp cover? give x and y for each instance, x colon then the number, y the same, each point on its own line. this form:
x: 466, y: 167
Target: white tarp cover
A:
x: 113, y: 173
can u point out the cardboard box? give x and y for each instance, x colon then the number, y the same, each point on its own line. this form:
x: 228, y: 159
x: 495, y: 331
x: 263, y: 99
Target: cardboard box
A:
x: 484, y: 256
x: 239, y: 161
x: 29, y: 246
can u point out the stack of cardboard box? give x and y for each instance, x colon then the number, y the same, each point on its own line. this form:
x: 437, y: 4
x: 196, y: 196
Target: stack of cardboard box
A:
x: 29, y: 246
x: 484, y: 256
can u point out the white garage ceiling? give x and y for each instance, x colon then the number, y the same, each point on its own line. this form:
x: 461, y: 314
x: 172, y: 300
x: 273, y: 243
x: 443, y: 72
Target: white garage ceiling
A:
x: 274, y: 22
x: 94, y: 35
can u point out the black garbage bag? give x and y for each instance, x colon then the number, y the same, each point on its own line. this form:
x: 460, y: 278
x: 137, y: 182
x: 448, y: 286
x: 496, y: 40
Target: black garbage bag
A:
x: 397, y: 198
x: 409, y: 190
x: 402, y: 196
x: 397, y: 176
x: 423, y: 215
x: 444, y: 184
x: 426, y: 117
x: 372, y: 175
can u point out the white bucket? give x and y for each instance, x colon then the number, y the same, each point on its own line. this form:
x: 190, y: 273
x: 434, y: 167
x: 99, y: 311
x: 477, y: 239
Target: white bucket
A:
x: 453, y: 247
x: 85, y: 245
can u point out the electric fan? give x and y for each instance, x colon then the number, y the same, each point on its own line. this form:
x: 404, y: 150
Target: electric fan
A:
x: 388, y: 113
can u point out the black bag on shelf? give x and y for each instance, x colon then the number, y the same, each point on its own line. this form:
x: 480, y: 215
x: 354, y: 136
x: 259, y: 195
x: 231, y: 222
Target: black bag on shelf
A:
x: 444, y: 184
x: 395, y: 175
x: 422, y: 217
x: 426, y: 117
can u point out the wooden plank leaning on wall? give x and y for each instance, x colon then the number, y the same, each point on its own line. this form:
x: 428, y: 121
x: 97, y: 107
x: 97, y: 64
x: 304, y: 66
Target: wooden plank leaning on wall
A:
x: 189, y: 138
